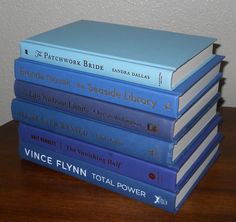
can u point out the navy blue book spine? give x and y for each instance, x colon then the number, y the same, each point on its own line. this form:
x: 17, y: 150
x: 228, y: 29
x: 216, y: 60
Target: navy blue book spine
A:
x: 107, y: 179
x: 153, y: 174
x: 132, y: 119
x: 137, y: 145
x: 98, y: 176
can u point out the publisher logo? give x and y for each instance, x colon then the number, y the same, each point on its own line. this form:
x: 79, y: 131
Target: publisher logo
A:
x: 38, y: 53
x: 152, y: 127
x: 160, y: 200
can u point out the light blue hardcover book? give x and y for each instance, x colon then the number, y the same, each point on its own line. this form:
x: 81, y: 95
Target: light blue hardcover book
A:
x: 148, y: 57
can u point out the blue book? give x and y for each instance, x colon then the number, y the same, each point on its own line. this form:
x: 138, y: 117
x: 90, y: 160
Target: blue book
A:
x: 172, y: 179
x: 137, y: 145
x: 115, y: 182
x: 127, y: 118
x: 167, y: 103
x: 148, y: 57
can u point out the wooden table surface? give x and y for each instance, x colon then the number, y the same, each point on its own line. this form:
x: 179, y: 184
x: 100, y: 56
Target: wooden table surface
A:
x: 29, y: 192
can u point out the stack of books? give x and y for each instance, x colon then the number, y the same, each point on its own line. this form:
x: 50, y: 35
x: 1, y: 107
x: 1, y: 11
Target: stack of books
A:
x: 129, y: 109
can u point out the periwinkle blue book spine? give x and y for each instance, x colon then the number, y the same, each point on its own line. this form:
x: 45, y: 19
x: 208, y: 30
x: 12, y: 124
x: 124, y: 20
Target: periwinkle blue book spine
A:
x: 137, y: 145
x: 153, y: 174
x: 132, y: 119
x: 147, y: 99
x: 115, y: 182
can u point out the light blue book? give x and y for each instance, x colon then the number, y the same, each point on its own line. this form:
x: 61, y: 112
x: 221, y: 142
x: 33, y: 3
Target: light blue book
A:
x: 148, y: 57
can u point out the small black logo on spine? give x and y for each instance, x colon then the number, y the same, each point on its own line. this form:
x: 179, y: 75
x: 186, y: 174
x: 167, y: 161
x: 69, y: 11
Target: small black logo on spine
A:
x: 38, y: 53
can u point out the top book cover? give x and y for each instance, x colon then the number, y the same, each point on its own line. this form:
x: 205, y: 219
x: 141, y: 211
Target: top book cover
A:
x: 154, y: 58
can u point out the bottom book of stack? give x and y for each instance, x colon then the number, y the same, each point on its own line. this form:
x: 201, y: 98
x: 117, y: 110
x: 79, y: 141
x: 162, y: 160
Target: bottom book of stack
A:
x: 160, y: 186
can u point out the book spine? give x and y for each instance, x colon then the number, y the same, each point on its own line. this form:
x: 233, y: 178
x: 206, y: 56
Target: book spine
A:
x: 126, y: 142
x: 153, y: 174
x: 132, y: 119
x: 117, y: 92
x: 98, y: 176
x: 104, y: 66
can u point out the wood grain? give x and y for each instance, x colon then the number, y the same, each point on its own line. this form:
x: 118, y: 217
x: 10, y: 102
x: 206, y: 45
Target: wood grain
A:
x: 32, y: 193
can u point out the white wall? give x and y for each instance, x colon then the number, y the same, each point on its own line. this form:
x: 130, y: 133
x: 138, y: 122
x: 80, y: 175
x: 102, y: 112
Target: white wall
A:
x: 23, y: 18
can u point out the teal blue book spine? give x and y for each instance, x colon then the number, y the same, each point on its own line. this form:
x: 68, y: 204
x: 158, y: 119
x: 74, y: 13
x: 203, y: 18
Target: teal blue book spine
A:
x: 128, y: 71
x: 137, y: 145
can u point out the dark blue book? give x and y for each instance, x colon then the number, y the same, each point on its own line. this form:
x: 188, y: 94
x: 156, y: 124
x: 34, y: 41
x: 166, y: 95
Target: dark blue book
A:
x: 131, y: 119
x: 116, y: 182
x: 172, y: 179
x: 166, y: 103
x: 117, y: 139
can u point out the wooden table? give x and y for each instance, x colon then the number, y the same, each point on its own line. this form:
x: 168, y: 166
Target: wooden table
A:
x: 32, y: 193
